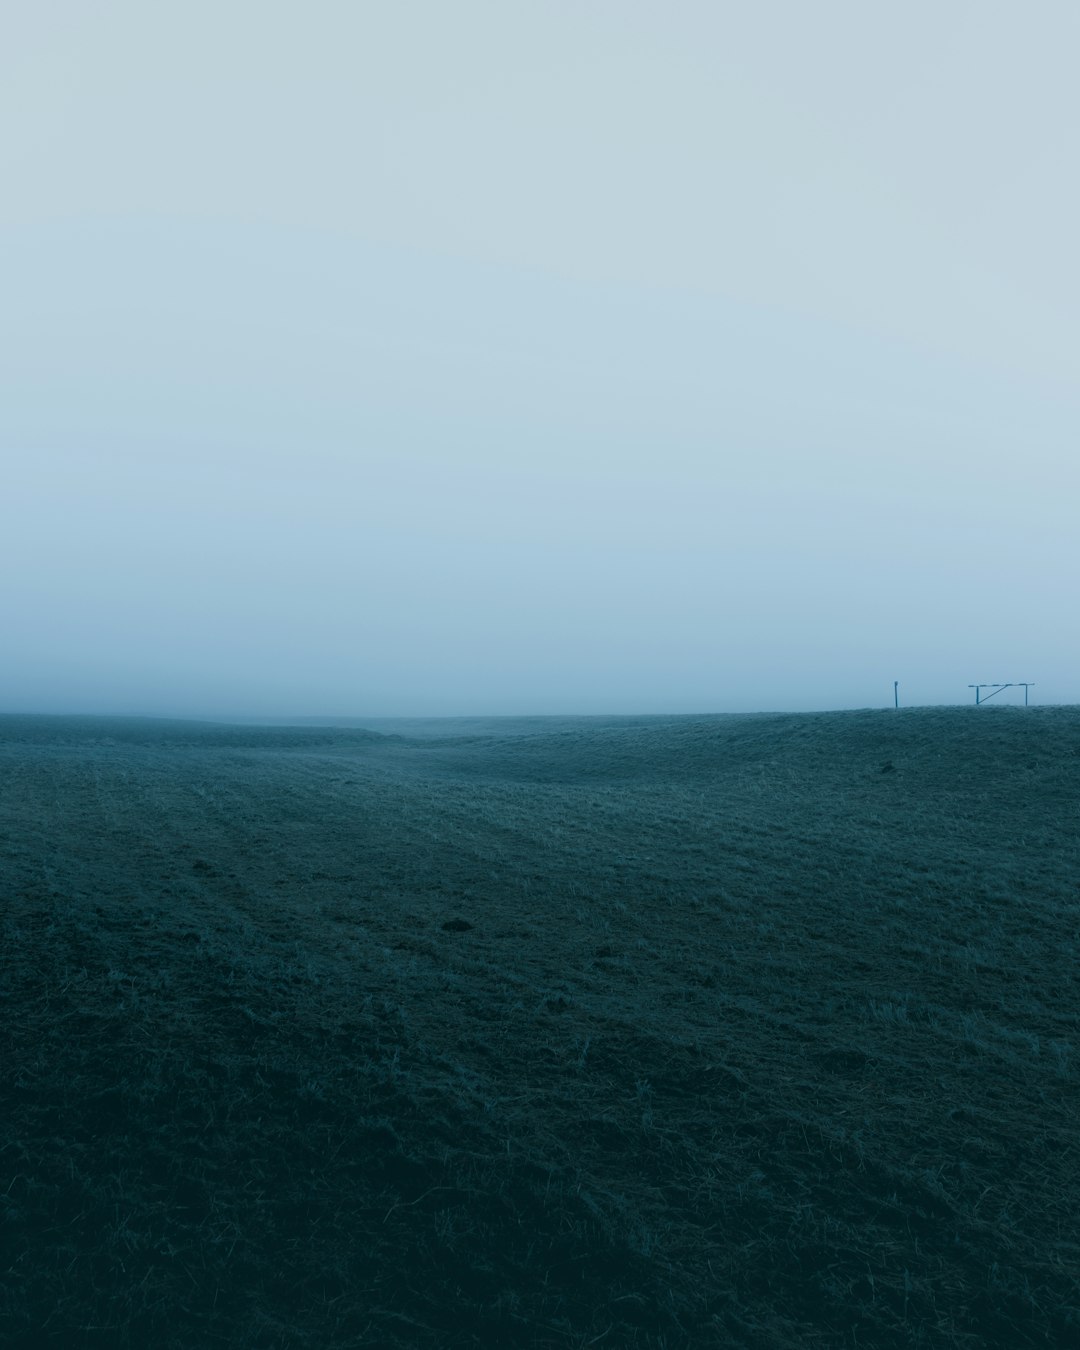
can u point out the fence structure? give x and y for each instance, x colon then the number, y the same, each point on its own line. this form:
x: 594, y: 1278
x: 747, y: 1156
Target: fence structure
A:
x: 1025, y: 685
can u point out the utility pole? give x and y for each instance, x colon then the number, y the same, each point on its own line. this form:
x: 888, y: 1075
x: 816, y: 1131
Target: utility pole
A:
x: 896, y: 693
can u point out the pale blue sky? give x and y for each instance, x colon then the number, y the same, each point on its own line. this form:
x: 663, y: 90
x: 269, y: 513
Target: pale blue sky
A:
x: 418, y: 358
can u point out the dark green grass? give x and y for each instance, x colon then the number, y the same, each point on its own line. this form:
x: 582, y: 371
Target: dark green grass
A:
x: 654, y: 1032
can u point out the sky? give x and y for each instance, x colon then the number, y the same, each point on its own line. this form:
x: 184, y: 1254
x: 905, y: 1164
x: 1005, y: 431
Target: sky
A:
x: 536, y: 356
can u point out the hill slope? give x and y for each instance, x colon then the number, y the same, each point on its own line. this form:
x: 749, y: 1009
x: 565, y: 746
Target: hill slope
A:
x: 756, y: 1031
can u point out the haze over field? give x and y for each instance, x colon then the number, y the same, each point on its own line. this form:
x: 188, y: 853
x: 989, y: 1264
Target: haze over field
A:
x: 421, y: 359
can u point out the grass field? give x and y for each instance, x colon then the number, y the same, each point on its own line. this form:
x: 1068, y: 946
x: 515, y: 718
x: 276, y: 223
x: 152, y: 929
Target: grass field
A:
x: 624, y: 1032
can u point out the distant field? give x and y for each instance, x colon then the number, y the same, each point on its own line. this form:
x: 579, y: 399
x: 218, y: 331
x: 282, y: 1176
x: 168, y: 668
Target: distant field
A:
x: 616, y: 1032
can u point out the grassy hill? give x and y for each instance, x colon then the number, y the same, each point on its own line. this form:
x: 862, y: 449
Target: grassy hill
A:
x: 620, y: 1032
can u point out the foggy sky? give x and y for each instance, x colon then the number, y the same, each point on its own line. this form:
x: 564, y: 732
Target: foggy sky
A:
x: 420, y: 359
